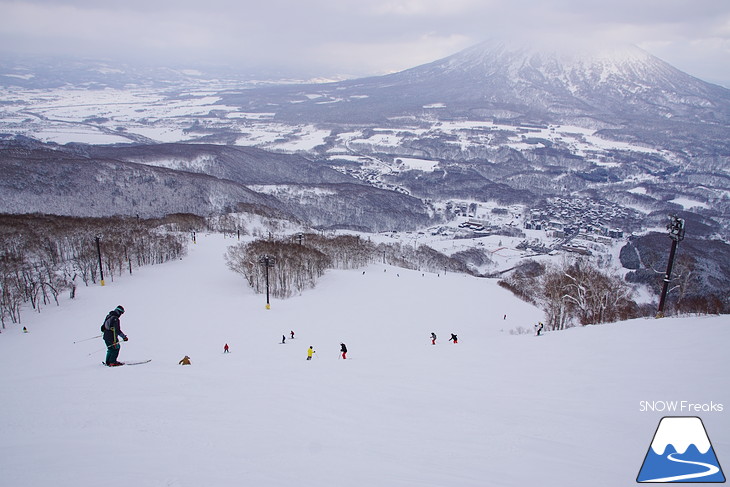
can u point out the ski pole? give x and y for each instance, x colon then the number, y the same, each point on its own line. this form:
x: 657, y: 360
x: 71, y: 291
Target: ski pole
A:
x: 105, y: 348
x: 87, y: 339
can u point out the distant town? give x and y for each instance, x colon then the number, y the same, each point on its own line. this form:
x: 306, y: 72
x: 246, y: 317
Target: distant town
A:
x: 574, y: 225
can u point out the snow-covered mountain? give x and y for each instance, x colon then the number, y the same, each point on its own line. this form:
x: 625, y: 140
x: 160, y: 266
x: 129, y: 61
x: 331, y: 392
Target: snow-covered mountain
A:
x: 607, y: 87
x: 600, y: 83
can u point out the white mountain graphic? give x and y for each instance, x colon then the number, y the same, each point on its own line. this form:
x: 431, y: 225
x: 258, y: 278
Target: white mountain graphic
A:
x: 670, y: 458
x: 680, y: 432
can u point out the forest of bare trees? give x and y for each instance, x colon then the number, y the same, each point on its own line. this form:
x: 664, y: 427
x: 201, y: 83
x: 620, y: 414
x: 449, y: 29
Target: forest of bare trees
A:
x: 43, y: 256
x: 295, y: 267
x: 299, y: 260
x: 574, y: 292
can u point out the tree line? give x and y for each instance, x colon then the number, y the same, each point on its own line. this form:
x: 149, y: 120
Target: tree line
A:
x: 574, y: 292
x: 42, y: 256
x: 300, y: 259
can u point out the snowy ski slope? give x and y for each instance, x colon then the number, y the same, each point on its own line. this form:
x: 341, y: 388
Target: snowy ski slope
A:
x: 497, y: 409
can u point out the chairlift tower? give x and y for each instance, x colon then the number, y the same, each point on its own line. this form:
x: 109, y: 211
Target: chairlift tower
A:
x: 268, y: 262
x: 98, y: 253
x: 676, y: 233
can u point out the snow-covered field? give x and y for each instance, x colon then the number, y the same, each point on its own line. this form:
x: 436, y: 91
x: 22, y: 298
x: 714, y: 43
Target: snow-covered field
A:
x: 64, y: 115
x: 496, y: 409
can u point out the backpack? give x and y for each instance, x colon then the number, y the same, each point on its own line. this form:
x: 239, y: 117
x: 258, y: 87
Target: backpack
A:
x: 104, y: 328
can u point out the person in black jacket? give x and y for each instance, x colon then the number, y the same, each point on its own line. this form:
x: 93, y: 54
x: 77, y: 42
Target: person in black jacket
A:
x: 343, y: 349
x: 112, y: 332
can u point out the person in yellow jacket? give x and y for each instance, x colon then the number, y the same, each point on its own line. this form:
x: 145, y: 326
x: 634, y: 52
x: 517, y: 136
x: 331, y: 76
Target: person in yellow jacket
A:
x: 310, y: 352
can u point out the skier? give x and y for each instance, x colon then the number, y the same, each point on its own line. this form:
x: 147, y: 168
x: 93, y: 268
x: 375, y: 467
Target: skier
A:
x: 185, y: 360
x: 225, y: 349
x: 25, y: 330
x: 343, y: 349
x: 433, y: 338
x: 292, y: 333
x: 283, y: 338
x: 538, y: 328
x: 454, y: 338
x: 111, y: 331
x: 310, y: 351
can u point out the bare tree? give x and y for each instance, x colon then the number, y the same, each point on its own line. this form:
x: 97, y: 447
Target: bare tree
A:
x: 296, y: 267
x: 42, y: 255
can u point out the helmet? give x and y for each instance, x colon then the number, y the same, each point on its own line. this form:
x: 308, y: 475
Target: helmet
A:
x: 120, y: 308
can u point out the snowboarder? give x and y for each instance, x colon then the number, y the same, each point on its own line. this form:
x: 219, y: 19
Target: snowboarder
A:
x: 343, y: 349
x: 433, y: 338
x: 454, y: 338
x: 538, y: 328
x: 292, y: 333
x: 112, y: 330
x: 283, y: 338
x: 310, y: 352
x: 185, y: 360
x: 225, y: 349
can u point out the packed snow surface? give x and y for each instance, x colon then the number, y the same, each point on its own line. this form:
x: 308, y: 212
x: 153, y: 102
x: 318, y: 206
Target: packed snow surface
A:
x: 496, y: 409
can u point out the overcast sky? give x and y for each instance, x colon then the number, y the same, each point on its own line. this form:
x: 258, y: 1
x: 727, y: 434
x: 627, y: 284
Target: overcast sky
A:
x: 358, y: 37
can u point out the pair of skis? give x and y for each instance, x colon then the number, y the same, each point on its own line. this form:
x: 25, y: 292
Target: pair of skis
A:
x: 129, y: 363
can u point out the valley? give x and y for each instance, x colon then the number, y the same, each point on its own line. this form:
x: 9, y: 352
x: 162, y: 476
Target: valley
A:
x: 549, y: 156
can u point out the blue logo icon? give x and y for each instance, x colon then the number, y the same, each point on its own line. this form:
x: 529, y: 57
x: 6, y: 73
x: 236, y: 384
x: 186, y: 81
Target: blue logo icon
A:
x: 681, y: 452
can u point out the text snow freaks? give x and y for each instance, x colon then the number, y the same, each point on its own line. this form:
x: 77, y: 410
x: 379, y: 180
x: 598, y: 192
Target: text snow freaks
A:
x: 679, y: 407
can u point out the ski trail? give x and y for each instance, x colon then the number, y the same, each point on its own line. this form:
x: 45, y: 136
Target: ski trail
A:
x: 711, y: 470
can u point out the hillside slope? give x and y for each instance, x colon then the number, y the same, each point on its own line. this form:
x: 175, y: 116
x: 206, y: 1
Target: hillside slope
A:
x: 495, y: 409
x: 156, y: 180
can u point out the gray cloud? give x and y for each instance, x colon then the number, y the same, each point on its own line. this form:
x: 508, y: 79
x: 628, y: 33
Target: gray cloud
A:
x: 355, y: 37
